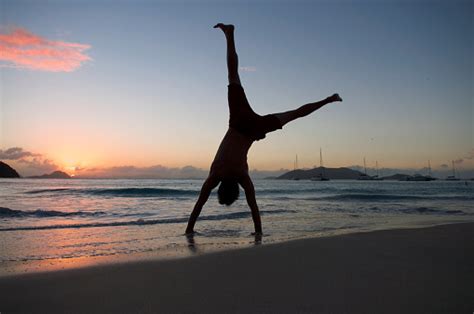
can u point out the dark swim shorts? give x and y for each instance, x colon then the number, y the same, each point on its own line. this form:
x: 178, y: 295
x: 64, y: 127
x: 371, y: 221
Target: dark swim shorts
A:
x: 245, y: 120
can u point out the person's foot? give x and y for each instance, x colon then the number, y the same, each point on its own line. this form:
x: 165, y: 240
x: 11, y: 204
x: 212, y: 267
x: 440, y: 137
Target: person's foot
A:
x: 335, y: 98
x: 226, y: 28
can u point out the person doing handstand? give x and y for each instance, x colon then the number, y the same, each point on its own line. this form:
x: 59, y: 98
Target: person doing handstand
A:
x: 229, y: 167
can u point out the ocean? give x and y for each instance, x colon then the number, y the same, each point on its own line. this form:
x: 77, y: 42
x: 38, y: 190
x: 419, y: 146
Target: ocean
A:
x: 48, y: 224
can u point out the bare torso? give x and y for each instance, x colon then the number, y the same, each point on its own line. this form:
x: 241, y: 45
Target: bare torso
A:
x: 231, y: 157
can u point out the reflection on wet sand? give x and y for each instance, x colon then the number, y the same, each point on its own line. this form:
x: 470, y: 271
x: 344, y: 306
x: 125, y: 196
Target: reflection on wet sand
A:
x: 193, y: 246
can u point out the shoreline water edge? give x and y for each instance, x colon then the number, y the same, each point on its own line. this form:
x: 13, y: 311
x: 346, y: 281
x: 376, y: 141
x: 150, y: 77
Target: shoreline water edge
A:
x: 62, y: 224
x: 422, y: 270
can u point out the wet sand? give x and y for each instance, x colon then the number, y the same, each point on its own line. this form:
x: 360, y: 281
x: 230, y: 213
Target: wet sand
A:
x: 426, y: 270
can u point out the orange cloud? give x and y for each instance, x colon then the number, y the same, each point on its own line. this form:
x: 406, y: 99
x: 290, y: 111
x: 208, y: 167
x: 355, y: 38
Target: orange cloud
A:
x: 21, y: 49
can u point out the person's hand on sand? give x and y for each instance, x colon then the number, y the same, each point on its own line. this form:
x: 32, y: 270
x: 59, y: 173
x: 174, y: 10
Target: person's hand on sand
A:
x: 334, y: 98
x: 190, y: 233
x: 258, y: 237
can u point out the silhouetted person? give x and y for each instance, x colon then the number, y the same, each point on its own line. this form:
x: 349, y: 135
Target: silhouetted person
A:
x: 229, y: 167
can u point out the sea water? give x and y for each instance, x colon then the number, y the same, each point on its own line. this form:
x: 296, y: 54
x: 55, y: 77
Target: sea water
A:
x: 55, y: 224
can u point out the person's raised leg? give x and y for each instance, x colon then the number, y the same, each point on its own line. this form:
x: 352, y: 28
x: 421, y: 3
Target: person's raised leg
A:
x: 232, y: 58
x: 305, y: 110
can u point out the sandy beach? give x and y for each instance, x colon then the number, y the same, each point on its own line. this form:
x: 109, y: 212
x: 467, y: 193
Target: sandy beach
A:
x: 427, y: 270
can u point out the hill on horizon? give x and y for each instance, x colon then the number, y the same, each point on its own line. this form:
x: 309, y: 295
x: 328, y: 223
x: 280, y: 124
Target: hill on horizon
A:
x: 331, y: 173
x: 397, y: 177
x: 52, y: 175
x: 7, y: 172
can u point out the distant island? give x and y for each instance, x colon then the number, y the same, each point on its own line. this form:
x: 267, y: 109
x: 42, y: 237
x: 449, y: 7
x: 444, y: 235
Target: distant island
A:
x: 53, y: 175
x: 7, y: 172
x: 398, y: 177
x: 330, y: 173
x: 334, y: 174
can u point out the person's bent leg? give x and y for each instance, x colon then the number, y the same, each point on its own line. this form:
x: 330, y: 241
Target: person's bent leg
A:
x: 304, y: 110
x: 232, y: 58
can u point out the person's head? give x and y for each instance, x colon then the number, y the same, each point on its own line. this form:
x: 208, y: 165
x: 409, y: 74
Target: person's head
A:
x: 228, y: 192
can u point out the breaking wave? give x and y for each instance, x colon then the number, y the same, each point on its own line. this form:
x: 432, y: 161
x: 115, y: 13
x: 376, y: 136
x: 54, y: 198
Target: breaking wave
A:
x: 389, y: 197
x: 139, y: 222
x: 39, y: 213
x: 119, y: 192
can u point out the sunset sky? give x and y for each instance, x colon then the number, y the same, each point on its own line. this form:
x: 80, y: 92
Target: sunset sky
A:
x: 86, y: 85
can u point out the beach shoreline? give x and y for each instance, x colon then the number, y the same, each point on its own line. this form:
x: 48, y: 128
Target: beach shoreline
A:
x: 421, y: 270
x: 50, y: 225
x: 188, y: 247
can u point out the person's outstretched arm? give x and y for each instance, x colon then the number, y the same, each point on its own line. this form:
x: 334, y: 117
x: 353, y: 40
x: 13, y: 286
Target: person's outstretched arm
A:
x: 249, y: 189
x: 206, y: 189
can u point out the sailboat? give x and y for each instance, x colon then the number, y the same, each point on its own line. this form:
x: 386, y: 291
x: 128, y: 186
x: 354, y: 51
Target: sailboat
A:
x: 320, y: 176
x: 453, y: 177
x: 430, y: 177
x: 365, y: 176
x: 296, y: 167
x: 376, y: 177
x: 419, y: 177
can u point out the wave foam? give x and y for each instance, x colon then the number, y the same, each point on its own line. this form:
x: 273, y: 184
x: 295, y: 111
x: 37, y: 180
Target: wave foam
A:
x: 120, y: 192
x: 12, y: 213
x: 139, y: 222
x: 388, y: 197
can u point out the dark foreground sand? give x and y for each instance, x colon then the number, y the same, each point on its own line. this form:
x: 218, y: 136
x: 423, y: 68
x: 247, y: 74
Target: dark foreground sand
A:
x: 399, y: 271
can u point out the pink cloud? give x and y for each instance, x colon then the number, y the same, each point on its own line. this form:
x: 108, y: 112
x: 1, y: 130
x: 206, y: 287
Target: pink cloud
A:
x: 21, y: 49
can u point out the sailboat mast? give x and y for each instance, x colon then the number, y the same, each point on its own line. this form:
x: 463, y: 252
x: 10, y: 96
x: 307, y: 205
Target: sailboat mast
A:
x: 320, y: 157
x: 377, y: 167
x: 429, y: 168
x: 454, y: 171
x: 321, y: 162
x: 365, y: 167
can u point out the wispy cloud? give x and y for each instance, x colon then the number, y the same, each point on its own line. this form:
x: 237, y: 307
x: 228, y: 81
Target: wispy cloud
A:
x: 248, y: 69
x: 20, y: 48
x: 15, y: 153
x: 459, y: 161
x: 467, y: 158
x: 157, y: 171
x: 35, y: 166
x: 470, y: 154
